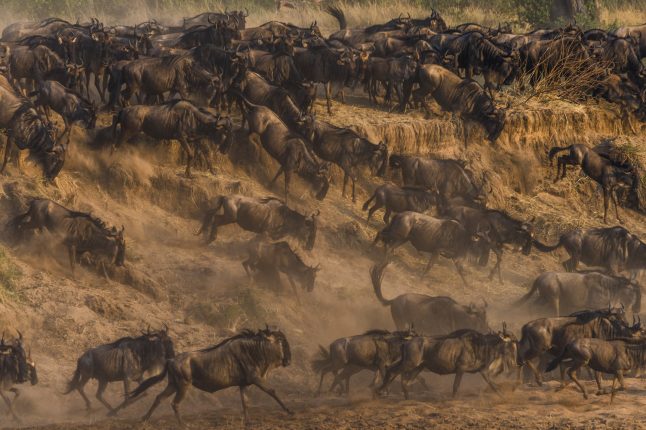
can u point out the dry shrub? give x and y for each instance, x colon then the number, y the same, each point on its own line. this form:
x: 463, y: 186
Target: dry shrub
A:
x: 565, y: 73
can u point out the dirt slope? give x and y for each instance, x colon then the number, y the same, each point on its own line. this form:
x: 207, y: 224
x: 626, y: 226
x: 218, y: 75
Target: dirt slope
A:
x: 204, y: 295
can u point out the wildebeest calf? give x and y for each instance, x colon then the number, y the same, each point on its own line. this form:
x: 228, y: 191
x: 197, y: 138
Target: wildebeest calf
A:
x: 400, y: 199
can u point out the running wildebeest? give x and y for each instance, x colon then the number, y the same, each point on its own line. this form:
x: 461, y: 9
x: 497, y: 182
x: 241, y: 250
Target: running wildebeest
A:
x: 613, y: 248
x: 268, y: 215
x: 601, y: 170
x: 177, y: 119
x: 448, y: 177
x: 572, y: 291
x: 67, y: 103
x: 268, y: 259
x: 463, y: 351
x: 553, y: 334
x: 27, y: 130
x: 445, y: 237
x: 16, y: 367
x: 374, y: 350
x: 429, y: 315
x: 347, y: 149
x: 400, y: 199
x: 286, y: 147
x: 462, y: 96
x: 603, y: 356
x: 126, y: 359
x: 239, y: 361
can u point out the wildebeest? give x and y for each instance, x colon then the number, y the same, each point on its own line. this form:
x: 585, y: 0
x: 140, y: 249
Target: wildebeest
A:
x: 428, y: 314
x: 373, y: 350
x: 607, y: 356
x: 397, y: 199
x: 461, y: 96
x: 613, y: 248
x: 601, y: 170
x: 572, y: 291
x: 391, y: 72
x: 16, y: 367
x: 29, y: 64
x: 345, y: 148
x: 67, y: 103
x: 27, y: 130
x: 463, y: 351
x: 435, y: 236
x: 286, y: 147
x: 177, y: 119
x: 574, y: 157
x: 499, y: 227
x: 268, y: 259
x: 553, y: 334
x: 268, y: 215
x: 126, y: 359
x: 448, y: 177
x: 239, y: 361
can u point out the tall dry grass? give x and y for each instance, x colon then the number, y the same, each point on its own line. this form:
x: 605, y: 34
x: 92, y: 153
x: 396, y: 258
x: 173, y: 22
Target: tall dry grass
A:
x: 304, y: 12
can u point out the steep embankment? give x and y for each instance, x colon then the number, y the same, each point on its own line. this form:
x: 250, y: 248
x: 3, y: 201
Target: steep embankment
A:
x: 203, y: 293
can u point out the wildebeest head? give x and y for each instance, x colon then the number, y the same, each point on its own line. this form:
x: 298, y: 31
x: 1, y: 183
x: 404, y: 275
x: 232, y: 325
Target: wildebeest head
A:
x: 26, y: 367
x: 526, y: 236
x: 494, y: 124
x: 278, y: 338
x: 308, y: 277
x: 479, y: 314
x: 160, y: 344
x: 52, y: 161
x: 506, y: 351
x: 379, y: 162
x: 323, y: 177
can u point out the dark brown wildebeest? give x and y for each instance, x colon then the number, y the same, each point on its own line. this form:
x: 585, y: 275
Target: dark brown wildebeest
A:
x: 603, y: 356
x: 27, y: 130
x: 126, y: 359
x: 461, y: 96
x: 397, y: 199
x: 463, y: 351
x: 347, y: 149
x: 16, y: 367
x: 572, y: 291
x: 268, y: 259
x: 574, y: 157
x: 72, y: 107
x: 553, y: 334
x: 637, y: 33
x: 613, y: 248
x: 500, y: 228
x: 391, y: 72
x: 239, y: 361
x: 27, y: 64
x: 235, y: 18
x: 374, y: 350
x: 435, y: 236
x: 176, y: 119
x: 268, y: 215
x: 448, y: 177
x: 286, y: 147
x: 429, y: 315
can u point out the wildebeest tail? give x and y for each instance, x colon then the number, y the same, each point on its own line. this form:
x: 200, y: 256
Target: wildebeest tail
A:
x: 555, y: 150
x: 554, y: 363
x: 376, y: 275
x: 529, y: 294
x: 74, y: 382
x: 322, y: 361
x: 148, y: 383
x: 210, y: 214
x: 337, y: 13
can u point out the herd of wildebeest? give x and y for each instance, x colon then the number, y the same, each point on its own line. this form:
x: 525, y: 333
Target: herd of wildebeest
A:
x: 182, y: 83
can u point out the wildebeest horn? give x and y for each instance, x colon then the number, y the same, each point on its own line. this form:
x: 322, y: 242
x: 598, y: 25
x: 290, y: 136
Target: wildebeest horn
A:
x: 2, y: 340
x: 485, y: 303
x: 165, y: 328
x: 19, y: 335
x: 208, y: 18
x: 246, y: 12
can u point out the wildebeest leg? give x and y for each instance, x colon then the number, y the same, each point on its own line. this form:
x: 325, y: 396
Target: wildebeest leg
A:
x: 460, y: 268
x: 168, y: 391
x: 456, y: 381
x: 97, y: 85
x: 614, y: 382
x: 9, y: 405
x: 80, y: 388
x: 431, y: 262
x: 537, y: 375
x: 190, y: 153
x: 613, y: 193
x: 294, y: 287
x: 323, y: 373
x: 71, y: 253
x: 7, y: 146
x: 496, y: 267
x: 258, y: 382
x: 597, y: 378
x: 387, y: 216
x: 243, y: 400
x: 606, y: 198
x: 572, y: 374
x: 99, y: 395
x: 179, y: 396
x: 485, y: 376
x: 328, y: 97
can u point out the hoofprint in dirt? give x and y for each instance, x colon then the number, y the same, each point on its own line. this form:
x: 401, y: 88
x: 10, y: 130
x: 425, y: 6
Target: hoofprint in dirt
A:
x: 527, y: 407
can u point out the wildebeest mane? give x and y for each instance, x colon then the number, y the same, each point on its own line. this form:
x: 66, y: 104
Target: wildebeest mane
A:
x: 376, y: 331
x: 244, y: 334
